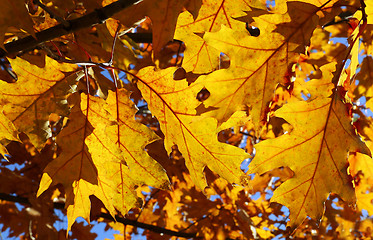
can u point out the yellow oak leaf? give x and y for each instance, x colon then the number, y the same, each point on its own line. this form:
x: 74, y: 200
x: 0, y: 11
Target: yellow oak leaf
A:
x: 132, y: 137
x: 173, y: 103
x: 7, y: 129
x: 7, y: 133
x: 198, y: 56
x: 316, y: 151
x: 363, y: 164
x: 244, y: 84
x: 89, y: 162
x: 361, y: 167
x: 13, y: 13
x: 317, y: 87
x: 237, y: 120
x: 344, y: 227
x: 258, y: 63
x: 37, y: 93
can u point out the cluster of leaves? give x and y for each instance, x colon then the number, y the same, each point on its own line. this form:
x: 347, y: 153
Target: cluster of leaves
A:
x: 238, y: 120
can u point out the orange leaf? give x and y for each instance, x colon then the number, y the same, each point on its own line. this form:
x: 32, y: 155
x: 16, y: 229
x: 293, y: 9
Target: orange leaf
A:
x: 361, y: 166
x: 37, y: 93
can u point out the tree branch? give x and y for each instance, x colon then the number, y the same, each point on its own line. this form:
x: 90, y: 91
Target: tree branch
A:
x: 96, y: 17
x: 125, y: 221
x: 52, y: 14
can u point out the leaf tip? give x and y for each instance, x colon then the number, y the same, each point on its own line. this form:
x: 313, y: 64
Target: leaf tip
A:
x: 45, y: 182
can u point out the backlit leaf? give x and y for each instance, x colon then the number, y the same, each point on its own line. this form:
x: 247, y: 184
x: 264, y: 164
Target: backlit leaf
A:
x: 89, y: 162
x: 7, y: 133
x: 361, y: 167
x: 252, y: 82
x: 316, y: 151
x: 173, y: 103
x: 200, y: 57
x: 132, y: 137
x: 37, y: 93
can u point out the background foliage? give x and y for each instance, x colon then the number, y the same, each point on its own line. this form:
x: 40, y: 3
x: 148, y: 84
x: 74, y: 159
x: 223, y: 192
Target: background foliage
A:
x: 211, y: 119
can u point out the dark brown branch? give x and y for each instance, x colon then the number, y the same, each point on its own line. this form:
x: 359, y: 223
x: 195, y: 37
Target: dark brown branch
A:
x: 141, y: 37
x: 96, y: 17
x: 52, y: 14
x: 11, y: 198
x: 125, y: 221
x: 152, y: 228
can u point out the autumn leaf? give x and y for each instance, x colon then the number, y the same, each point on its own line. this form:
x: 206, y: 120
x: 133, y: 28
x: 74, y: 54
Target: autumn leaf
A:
x: 107, y: 163
x: 7, y: 129
x: 271, y: 53
x: 132, y: 137
x: 37, y: 93
x: 316, y: 87
x: 7, y: 133
x: 233, y: 88
x: 361, y: 168
x: 173, y: 103
x: 246, y: 72
x: 91, y: 163
x: 316, y: 151
x: 199, y: 57
x: 82, y: 168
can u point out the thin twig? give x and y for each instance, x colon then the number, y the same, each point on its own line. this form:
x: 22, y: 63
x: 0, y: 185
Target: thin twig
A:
x: 110, y: 62
x: 125, y: 221
x: 146, y: 203
x: 198, y: 220
x: 59, y: 19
